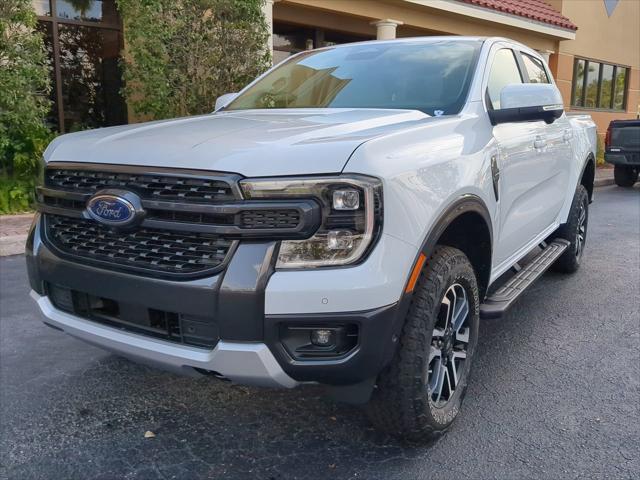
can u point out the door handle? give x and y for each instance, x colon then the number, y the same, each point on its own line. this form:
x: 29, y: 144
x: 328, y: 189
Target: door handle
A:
x: 539, y: 143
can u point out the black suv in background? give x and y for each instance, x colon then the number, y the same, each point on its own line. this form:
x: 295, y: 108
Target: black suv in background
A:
x: 622, y: 150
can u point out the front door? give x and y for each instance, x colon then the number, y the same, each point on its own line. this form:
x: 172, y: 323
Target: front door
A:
x: 531, y: 186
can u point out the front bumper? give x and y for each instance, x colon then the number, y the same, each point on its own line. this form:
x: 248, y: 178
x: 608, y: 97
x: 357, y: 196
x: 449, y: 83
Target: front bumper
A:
x: 250, y: 349
x: 241, y: 362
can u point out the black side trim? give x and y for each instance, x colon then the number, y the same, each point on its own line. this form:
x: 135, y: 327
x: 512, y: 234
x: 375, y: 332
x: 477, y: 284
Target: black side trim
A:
x: 241, y: 297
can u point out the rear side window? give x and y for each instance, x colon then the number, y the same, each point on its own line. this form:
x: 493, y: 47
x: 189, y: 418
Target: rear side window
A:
x: 535, y: 69
x: 504, y: 71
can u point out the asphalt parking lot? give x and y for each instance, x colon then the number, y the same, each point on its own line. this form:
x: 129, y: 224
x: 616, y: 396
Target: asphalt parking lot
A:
x: 555, y: 394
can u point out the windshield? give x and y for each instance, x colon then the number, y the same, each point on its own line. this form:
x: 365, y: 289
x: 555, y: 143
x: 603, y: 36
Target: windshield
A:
x: 431, y: 76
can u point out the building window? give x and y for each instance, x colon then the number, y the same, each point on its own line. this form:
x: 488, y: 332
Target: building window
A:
x: 599, y: 86
x: 83, y: 39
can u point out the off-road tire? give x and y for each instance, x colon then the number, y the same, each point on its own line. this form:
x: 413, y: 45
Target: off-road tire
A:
x: 625, y: 175
x: 400, y: 404
x: 570, y: 260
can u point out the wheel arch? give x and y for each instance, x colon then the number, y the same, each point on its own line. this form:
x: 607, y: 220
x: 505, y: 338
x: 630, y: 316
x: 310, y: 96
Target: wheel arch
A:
x: 588, y: 175
x: 465, y: 225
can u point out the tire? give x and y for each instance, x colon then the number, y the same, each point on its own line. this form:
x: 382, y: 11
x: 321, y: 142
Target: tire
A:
x: 404, y: 404
x: 575, y: 232
x: 625, y: 175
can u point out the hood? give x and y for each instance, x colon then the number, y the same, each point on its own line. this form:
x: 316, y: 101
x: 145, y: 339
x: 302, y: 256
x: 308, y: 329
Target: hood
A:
x: 249, y: 142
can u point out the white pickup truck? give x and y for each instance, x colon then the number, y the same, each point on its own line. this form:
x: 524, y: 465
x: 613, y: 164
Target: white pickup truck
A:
x: 347, y: 219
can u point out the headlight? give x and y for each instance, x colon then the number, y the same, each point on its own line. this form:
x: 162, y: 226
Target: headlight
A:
x: 351, y: 217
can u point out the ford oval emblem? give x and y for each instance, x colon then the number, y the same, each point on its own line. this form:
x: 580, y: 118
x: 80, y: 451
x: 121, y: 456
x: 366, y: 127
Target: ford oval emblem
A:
x: 111, y: 210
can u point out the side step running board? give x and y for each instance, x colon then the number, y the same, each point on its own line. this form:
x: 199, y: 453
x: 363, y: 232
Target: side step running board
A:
x: 499, y: 302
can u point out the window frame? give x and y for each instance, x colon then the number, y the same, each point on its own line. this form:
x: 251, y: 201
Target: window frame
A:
x: 523, y: 66
x: 55, y: 21
x: 601, y: 65
x: 516, y: 55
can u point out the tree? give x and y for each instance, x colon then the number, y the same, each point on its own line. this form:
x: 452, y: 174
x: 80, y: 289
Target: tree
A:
x: 180, y: 55
x: 24, y: 102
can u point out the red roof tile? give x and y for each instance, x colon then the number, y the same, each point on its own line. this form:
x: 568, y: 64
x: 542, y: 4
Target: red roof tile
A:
x: 537, y: 10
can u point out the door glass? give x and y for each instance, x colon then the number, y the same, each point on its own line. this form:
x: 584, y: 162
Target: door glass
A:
x: 607, y: 86
x: 91, y: 77
x: 593, y: 71
x: 535, y: 70
x: 504, y: 71
x: 42, y: 7
x: 621, y: 77
x: 87, y: 10
x: 579, y: 84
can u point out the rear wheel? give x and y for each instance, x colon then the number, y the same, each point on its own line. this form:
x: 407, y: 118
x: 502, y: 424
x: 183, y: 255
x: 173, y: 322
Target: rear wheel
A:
x: 575, y: 232
x: 625, y: 175
x: 419, y: 395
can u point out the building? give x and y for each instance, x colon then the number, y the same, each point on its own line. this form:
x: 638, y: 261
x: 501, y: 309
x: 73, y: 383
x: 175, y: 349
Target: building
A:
x: 592, y: 46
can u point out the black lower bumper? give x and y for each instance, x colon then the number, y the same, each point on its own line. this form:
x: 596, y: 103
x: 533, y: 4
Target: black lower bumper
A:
x: 623, y: 158
x: 233, y: 302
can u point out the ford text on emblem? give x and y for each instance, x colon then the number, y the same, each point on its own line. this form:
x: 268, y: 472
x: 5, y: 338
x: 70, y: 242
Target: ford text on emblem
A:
x: 111, y: 210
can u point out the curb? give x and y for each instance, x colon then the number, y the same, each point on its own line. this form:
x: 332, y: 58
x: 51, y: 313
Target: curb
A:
x: 12, y: 245
x: 603, y: 182
x: 13, y: 233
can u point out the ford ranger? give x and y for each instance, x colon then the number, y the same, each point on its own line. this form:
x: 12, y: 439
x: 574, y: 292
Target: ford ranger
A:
x: 346, y: 219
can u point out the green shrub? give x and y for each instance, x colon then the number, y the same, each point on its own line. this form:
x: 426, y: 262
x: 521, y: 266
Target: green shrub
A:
x: 15, y: 195
x: 182, y: 54
x: 600, y: 152
x: 24, y: 103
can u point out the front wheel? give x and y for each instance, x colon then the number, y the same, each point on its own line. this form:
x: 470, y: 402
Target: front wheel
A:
x: 419, y: 395
x: 625, y: 175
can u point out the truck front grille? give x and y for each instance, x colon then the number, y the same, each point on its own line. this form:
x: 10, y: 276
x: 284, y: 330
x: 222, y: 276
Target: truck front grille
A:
x: 269, y: 219
x: 146, y: 250
x: 147, y: 185
x: 187, y: 226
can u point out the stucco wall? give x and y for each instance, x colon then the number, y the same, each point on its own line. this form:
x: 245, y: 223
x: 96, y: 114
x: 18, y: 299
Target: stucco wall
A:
x: 614, y: 39
x: 355, y: 15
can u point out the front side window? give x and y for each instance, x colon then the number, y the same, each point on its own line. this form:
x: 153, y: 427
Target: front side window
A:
x: 504, y: 71
x: 535, y: 69
x: 433, y: 77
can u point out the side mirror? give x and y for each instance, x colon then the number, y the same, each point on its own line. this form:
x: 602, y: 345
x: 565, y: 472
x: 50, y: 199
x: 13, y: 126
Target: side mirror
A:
x: 524, y: 102
x: 224, y: 100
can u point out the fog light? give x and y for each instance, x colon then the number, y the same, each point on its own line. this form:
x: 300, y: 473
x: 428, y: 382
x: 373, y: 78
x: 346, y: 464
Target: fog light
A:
x: 322, y: 338
x: 339, y: 240
x: 346, y: 200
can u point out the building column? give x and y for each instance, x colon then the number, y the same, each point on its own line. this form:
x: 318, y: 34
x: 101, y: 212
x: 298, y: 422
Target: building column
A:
x: 386, y: 29
x: 267, y: 10
x: 546, y: 54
